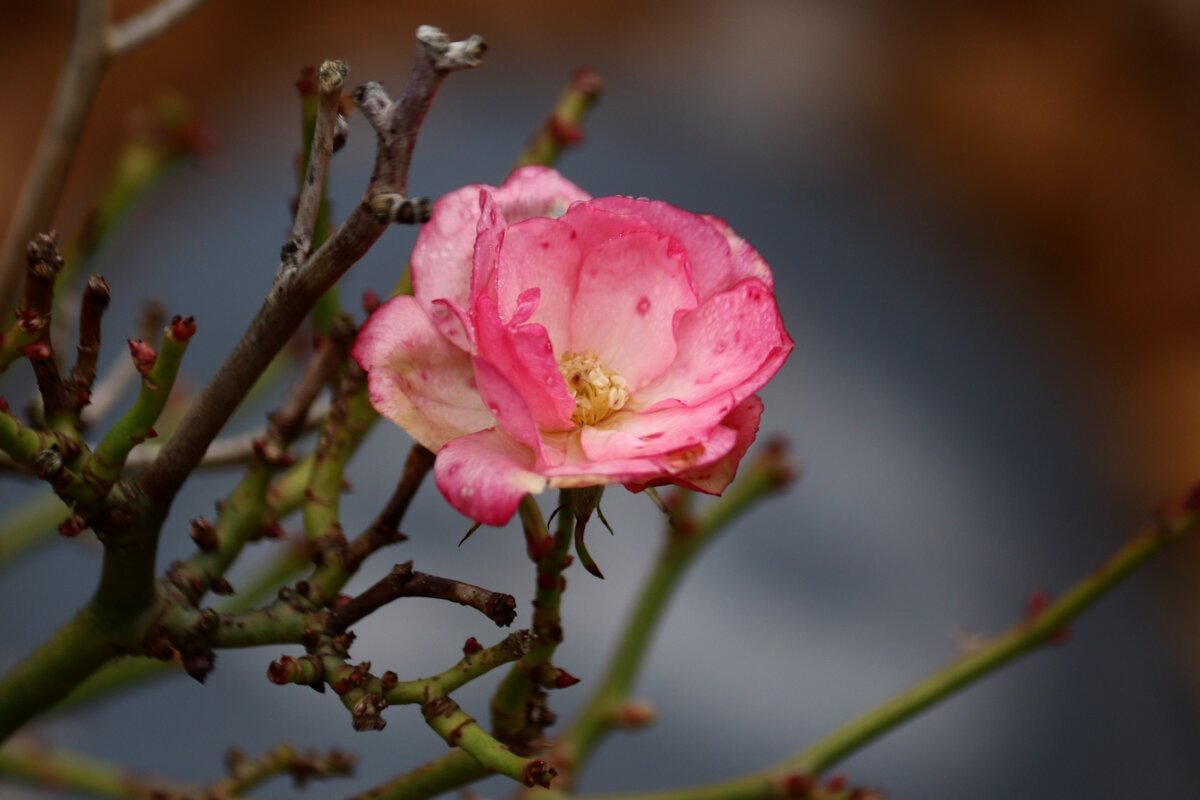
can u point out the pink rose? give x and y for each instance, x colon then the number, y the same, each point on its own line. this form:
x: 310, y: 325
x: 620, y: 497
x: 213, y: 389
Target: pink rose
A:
x: 558, y: 340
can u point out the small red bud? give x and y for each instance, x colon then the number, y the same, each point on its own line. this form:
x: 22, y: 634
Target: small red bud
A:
x: 83, y: 397
x: 565, y: 131
x: 4, y: 405
x: 472, y: 646
x: 143, y: 355
x: 37, y: 351
x: 547, y: 582
x: 635, y: 714
x: 797, y: 786
x: 836, y: 783
x: 71, y: 527
x: 370, y: 301
x: 182, y: 328
x: 563, y: 679
x: 273, y: 531
x: 388, y: 679
x: 204, y: 534
x: 277, y: 670
x: 340, y: 601
x: 152, y: 434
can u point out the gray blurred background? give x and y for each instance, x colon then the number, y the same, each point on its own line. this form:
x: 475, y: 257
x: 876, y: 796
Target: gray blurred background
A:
x: 992, y: 288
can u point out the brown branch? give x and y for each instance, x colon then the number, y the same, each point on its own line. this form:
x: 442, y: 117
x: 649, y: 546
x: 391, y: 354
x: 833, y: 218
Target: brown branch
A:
x: 292, y: 297
x: 56, y: 146
x: 146, y: 25
x: 122, y: 374
x: 43, y: 265
x: 385, y: 529
x: 403, y: 581
x: 92, y: 307
x: 330, y: 79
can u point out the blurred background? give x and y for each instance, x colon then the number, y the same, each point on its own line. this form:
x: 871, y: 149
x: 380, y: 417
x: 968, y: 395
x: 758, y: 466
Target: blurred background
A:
x: 984, y: 223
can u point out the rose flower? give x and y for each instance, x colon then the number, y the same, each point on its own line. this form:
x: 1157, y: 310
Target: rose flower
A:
x: 558, y: 340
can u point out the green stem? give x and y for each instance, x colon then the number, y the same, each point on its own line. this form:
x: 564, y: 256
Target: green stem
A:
x: 104, y: 466
x: 29, y: 525
x: 75, y: 651
x: 452, y: 771
x: 459, y: 729
x: 1019, y: 640
x: 471, y: 666
x: 679, y: 552
x: 560, y: 129
x: 511, y: 702
x: 64, y: 770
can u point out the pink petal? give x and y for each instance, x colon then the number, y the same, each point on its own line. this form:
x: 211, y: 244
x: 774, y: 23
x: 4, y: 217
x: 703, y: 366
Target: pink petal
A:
x: 747, y: 262
x: 485, y: 475
x: 507, y: 404
x: 416, y: 378
x: 733, y: 343
x: 525, y: 357
x: 489, y: 237
x: 539, y: 253
x: 441, y: 258
x: 631, y: 290
x: 537, y: 192
x: 595, y: 225
x: 638, y: 434
x: 707, y: 248
x: 579, y: 470
x: 714, y: 477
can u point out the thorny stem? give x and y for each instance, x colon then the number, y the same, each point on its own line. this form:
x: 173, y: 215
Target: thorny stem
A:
x: 459, y: 729
x: 1021, y: 639
x: 603, y: 712
x: 473, y: 665
x: 518, y: 712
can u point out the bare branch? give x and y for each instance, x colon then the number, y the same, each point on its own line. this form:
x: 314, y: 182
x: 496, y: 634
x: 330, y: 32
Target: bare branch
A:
x: 56, y: 146
x: 122, y: 374
x: 290, y: 300
x: 146, y: 25
x: 95, y: 300
x: 44, y: 263
x: 330, y: 81
x: 385, y: 529
x: 402, y: 581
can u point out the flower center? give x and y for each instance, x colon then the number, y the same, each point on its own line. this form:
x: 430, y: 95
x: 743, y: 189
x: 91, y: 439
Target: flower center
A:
x: 598, y: 391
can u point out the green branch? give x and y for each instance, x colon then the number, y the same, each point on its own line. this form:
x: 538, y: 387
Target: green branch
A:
x: 459, y: 729
x: 452, y: 771
x: 473, y: 665
x: 103, y: 467
x: 1021, y: 639
x: 515, y: 713
x: 603, y: 712
x: 64, y: 770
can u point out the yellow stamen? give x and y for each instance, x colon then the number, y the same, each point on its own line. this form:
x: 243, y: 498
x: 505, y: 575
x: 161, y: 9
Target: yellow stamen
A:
x: 598, y: 391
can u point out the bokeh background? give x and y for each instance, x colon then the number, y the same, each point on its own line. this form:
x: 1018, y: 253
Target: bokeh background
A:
x: 983, y: 220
